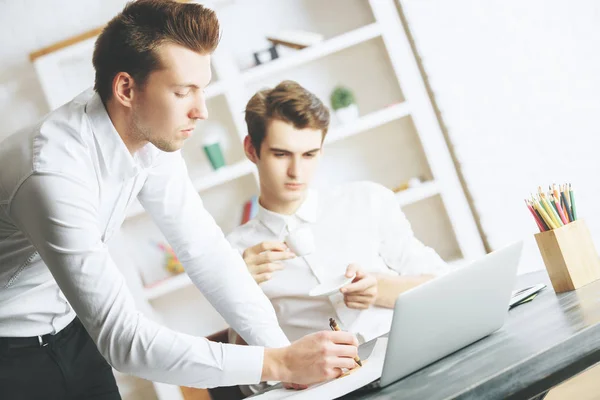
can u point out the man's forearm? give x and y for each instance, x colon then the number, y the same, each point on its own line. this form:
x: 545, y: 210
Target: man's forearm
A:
x: 390, y: 287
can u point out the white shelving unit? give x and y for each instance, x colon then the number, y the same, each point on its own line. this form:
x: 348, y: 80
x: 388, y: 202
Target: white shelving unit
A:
x: 214, y: 89
x: 201, y: 183
x: 396, y: 137
x: 367, y: 122
x: 399, y: 126
x: 414, y: 195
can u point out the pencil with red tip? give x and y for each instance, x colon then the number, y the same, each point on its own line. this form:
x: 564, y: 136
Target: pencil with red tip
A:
x: 535, y: 217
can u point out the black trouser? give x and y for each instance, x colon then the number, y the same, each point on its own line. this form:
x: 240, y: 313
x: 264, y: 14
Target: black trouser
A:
x: 64, y: 366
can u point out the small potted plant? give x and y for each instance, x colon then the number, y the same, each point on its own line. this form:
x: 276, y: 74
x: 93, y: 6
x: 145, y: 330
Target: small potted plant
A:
x: 343, y: 104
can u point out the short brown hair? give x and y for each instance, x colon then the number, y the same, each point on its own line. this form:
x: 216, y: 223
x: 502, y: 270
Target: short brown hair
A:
x: 128, y: 42
x: 288, y: 102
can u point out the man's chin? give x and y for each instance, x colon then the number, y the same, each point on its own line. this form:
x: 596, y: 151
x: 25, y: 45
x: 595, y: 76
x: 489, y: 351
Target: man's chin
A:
x: 293, y: 195
x: 169, y: 147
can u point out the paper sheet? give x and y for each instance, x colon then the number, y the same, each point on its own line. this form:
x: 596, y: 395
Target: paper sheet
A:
x: 332, y: 389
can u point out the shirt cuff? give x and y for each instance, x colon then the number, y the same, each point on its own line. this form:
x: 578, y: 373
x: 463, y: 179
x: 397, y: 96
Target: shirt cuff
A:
x: 242, y: 365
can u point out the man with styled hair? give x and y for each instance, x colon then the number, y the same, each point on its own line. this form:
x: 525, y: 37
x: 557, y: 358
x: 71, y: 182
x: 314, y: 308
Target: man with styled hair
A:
x: 358, y: 228
x: 66, y: 315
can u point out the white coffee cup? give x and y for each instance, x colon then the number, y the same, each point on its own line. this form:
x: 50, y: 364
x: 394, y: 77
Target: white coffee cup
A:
x: 301, y: 241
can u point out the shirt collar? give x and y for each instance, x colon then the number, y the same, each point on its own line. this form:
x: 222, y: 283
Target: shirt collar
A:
x: 276, y: 222
x: 117, y: 161
x: 309, y: 208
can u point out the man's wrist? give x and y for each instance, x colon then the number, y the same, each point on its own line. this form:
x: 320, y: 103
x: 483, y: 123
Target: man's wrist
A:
x: 274, y: 368
x: 388, y: 289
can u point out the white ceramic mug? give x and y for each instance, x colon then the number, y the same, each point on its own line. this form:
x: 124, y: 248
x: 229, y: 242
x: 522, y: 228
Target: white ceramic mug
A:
x: 301, y: 241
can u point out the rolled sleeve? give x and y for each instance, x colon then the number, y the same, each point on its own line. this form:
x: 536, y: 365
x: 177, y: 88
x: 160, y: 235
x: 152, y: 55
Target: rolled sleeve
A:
x: 399, y: 247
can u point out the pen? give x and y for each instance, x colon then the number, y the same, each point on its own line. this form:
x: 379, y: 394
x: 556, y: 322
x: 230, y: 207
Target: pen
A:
x: 334, y: 327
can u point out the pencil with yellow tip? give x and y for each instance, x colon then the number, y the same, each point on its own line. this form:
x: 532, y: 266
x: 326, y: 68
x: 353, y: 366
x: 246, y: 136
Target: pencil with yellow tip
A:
x: 549, y: 209
x: 545, y: 215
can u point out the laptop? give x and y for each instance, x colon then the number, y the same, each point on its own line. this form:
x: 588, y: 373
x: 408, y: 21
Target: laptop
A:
x: 448, y: 313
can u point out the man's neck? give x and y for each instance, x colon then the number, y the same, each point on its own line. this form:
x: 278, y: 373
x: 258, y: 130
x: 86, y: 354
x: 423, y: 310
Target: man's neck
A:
x: 122, y: 123
x: 288, y: 208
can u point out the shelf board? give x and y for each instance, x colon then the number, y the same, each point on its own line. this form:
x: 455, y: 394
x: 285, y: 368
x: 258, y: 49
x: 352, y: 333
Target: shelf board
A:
x: 223, y: 175
x: 215, y: 178
x: 314, y: 52
x: 167, y: 286
x: 369, y: 121
x: 214, y: 89
x: 421, y: 192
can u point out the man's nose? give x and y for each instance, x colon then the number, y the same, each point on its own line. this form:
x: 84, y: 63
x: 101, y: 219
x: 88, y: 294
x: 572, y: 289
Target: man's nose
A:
x: 199, y: 111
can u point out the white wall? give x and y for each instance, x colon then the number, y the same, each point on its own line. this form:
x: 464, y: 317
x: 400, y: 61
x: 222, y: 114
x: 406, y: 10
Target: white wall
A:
x: 27, y: 26
x: 518, y: 85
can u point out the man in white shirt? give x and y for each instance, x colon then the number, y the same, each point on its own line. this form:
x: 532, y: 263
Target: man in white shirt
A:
x: 64, y: 189
x: 358, y: 228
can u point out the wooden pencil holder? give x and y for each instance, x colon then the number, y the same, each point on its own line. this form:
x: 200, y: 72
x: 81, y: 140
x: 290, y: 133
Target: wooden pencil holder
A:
x: 569, y: 256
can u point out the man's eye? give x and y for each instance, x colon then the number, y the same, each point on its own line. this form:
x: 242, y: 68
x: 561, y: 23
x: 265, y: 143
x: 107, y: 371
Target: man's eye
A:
x: 309, y: 155
x: 181, y: 94
x: 279, y: 154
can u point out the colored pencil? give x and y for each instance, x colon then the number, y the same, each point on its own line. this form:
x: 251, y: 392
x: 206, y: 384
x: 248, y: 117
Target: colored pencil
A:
x: 558, y: 209
x: 573, y: 208
x: 554, y: 208
x: 545, y: 215
x: 550, y: 210
x: 535, y: 217
x: 567, y: 206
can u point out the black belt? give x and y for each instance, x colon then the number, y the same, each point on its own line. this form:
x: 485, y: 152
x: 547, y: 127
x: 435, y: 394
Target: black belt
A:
x: 37, y: 341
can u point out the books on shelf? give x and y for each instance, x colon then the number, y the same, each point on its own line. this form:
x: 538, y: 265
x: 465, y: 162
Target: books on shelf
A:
x: 250, y: 209
x: 295, y: 39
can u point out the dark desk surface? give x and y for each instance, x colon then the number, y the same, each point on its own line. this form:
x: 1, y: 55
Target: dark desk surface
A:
x: 542, y: 344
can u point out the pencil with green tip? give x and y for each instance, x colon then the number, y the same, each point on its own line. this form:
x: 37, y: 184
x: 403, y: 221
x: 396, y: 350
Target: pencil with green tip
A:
x: 573, y: 208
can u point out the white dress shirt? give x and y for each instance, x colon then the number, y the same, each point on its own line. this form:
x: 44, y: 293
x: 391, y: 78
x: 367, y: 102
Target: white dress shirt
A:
x: 64, y: 188
x: 353, y: 223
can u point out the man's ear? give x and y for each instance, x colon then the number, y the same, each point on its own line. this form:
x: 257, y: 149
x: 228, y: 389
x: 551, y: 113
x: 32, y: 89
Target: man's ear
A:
x: 123, y: 89
x: 250, y: 150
